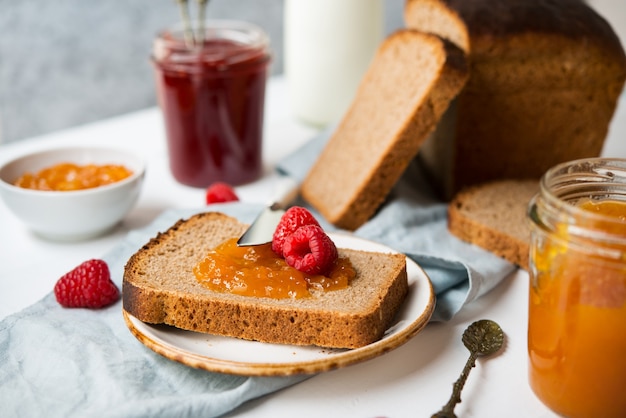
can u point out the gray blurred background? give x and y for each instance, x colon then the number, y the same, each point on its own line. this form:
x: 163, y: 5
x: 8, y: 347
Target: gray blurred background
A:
x: 69, y: 62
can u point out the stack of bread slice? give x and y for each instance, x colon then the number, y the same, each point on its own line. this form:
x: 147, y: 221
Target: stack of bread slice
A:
x: 478, y: 91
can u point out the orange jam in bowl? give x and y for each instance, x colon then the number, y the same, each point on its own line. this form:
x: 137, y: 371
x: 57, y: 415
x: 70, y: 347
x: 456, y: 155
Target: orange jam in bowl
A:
x: 258, y: 271
x: 71, y: 177
x: 577, y: 293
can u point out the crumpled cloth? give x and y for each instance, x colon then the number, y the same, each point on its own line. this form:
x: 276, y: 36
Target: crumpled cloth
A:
x: 413, y: 220
x: 58, y: 362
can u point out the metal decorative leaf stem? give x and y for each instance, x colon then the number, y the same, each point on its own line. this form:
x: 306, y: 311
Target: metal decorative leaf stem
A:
x: 481, y: 338
x: 202, y: 4
x: 192, y: 39
x: 187, y: 30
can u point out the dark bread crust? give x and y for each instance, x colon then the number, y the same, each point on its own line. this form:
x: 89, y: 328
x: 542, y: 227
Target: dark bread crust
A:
x: 159, y: 288
x: 487, y: 22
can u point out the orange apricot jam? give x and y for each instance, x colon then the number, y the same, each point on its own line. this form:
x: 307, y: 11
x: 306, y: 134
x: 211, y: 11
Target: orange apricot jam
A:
x: 577, y: 315
x: 259, y: 271
x: 70, y: 177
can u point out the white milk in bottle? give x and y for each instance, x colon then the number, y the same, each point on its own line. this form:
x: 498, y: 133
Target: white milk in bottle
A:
x: 328, y: 47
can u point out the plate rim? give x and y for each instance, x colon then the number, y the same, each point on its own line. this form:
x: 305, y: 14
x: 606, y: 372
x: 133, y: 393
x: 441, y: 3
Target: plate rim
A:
x: 337, y: 360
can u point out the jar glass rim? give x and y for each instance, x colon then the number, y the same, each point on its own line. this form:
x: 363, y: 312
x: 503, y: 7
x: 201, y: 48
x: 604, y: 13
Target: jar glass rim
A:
x: 250, y: 46
x: 245, y: 33
x: 592, y: 178
x: 566, y: 184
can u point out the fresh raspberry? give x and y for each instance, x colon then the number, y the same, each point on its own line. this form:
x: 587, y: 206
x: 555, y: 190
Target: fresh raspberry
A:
x: 219, y: 192
x: 292, y: 219
x: 310, y: 250
x: 87, y: 286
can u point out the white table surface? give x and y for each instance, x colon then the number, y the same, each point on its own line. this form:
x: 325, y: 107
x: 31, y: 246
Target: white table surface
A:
x: 414, y: 380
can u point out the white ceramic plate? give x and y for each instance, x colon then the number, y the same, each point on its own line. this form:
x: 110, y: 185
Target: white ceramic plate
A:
x: 235, y: 356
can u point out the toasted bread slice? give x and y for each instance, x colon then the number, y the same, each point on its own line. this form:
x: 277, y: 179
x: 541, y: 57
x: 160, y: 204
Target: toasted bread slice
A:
x: 493, y: 216
x: 409, y: 85
x: 159, y: 287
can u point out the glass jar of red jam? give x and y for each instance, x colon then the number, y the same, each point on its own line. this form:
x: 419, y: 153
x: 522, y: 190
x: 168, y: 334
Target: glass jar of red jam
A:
x: 577, y: 296
x: 212, y: 94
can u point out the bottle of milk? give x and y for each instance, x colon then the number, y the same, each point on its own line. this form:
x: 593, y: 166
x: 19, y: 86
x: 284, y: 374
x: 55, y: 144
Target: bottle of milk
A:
x: 328, y: 47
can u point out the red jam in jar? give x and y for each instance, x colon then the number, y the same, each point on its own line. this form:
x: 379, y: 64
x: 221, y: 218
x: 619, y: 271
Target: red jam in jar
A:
x: 212, y: 96
x: 258, y: 271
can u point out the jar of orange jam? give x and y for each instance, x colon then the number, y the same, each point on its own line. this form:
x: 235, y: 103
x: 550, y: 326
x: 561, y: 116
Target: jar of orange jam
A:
x: 577, y: 297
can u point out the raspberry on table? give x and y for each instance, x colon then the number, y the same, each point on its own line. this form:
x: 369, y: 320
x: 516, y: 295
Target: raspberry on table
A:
x: 310, y: 250
x: 87, y: 286
x: 219, y: 192
x: 292, y: 219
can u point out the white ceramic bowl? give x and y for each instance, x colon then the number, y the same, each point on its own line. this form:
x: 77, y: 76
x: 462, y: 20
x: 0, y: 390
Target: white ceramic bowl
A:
x: 72, y: 215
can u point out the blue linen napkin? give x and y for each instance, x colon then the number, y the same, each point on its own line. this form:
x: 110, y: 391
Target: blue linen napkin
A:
x: 413, y: 220
x: 58, y: 362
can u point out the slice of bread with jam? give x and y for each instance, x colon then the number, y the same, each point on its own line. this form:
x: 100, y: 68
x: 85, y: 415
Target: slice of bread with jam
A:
x: 160, y: 287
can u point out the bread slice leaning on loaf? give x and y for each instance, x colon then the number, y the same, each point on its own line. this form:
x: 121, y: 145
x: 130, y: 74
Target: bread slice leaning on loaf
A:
x: 159, y: 287
x: 493, y: 216
x: 407, y: 87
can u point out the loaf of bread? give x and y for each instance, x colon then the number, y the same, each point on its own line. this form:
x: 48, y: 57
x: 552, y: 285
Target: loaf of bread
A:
x: 160, y: 287
x: 493, y: 216
x: 545, y: 77
x: 408, y: 86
